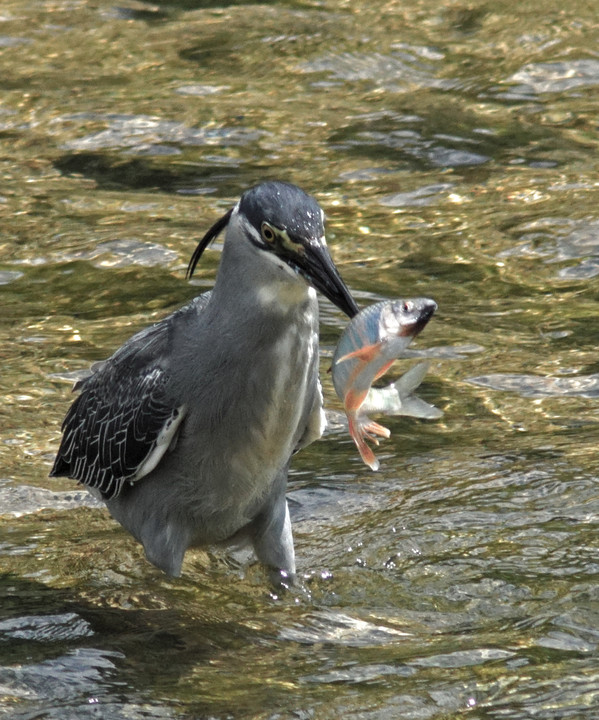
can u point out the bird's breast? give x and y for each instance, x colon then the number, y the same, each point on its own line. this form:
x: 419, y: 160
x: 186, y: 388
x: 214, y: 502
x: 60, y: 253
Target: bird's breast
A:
x: 287, y: 393
x: 244, y: 432
x: 282, y: 384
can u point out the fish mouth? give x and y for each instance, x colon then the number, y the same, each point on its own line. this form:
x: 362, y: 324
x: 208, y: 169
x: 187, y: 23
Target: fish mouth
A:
x: 316, y: 266
x: 424, y: 309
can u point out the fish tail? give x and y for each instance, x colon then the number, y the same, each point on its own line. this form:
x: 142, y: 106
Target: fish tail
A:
x: 411, y: 379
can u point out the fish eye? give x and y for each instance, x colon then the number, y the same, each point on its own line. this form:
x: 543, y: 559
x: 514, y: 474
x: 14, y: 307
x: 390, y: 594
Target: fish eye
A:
x: 268, y: 234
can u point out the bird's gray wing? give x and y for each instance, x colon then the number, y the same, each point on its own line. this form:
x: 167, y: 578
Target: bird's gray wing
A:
x: 125, y: 418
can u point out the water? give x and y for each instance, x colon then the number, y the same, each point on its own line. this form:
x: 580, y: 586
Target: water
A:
x: 454, y: 149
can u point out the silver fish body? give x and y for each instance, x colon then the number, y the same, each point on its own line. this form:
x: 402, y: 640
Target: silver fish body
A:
x: 369, y: 345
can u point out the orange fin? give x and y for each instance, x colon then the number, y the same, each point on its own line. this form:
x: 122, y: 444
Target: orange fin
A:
x: 383, y: 370
x: 367, y: 455
x: 359, y: 436
x: 376, y: 429
x: 353, y: 400
x: 367, y: 353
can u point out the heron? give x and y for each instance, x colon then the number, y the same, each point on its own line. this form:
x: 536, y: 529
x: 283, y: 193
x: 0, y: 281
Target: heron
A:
x: 187, y: 431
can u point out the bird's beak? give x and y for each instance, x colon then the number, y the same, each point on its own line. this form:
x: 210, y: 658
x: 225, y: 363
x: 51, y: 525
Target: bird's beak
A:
x: 318, y: 268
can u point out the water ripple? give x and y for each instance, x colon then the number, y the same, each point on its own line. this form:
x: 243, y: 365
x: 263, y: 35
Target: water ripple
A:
x: 147, y: 133
x: 555, y: 77
x: 586, y: 386
x: 17, y: 500
x: 338, y: 628
x: 421, y: 197
x: 123, y: 252
x: 45, y: 628
x: 561, y: 239
x: 398, y: 72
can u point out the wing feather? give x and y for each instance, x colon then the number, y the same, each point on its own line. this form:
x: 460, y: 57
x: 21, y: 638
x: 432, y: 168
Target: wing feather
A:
x: 125, y: 417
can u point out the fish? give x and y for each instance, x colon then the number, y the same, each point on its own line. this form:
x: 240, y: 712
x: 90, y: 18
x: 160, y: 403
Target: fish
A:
x: 369, y: 345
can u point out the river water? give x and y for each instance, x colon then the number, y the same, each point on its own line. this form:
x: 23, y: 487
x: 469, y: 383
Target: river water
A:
x: 453, y: 146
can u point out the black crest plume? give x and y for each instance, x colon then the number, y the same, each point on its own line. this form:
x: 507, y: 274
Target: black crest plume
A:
x: 211, y: 235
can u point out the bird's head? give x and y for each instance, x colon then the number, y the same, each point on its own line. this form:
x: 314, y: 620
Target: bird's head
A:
x: 287, y: 226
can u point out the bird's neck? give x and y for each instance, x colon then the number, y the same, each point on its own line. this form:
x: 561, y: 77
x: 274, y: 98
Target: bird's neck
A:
x: 249, y: 284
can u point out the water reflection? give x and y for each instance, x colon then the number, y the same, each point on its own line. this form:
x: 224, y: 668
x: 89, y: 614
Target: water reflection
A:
x: 556, y: 77
x: 453, y: 148
x: 408, y: 68
x: 559, y: 239
x: 534, y: 386
x: 145, y: 135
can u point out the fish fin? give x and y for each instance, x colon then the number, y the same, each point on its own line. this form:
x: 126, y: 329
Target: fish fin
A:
x: 398, y: 398
x: 367, y: 353
x: 353, y: 400
x: 383, y: 370
x: 410, y: 404
x: 373, y: 428
x: 389, y: 402
x: 411, y: 379
x: 359, y: 434
x: 416, y: 407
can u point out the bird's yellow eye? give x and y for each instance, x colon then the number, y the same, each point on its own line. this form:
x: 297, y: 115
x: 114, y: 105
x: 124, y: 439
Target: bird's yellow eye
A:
x: 268, y: 234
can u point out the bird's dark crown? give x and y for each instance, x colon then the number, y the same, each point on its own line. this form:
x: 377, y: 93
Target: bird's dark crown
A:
x: 283, y: 206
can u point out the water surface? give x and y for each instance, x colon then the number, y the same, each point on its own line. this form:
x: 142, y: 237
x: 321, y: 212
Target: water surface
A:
x: 454, y: 149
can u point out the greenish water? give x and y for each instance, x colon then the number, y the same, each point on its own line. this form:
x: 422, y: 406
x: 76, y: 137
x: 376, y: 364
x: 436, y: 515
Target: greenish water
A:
x: 453, y: 147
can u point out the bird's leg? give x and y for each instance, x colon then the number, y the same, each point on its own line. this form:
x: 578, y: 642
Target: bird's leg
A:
x: 165, y: 538
x: 272, y: 538
x: 164, y: 548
